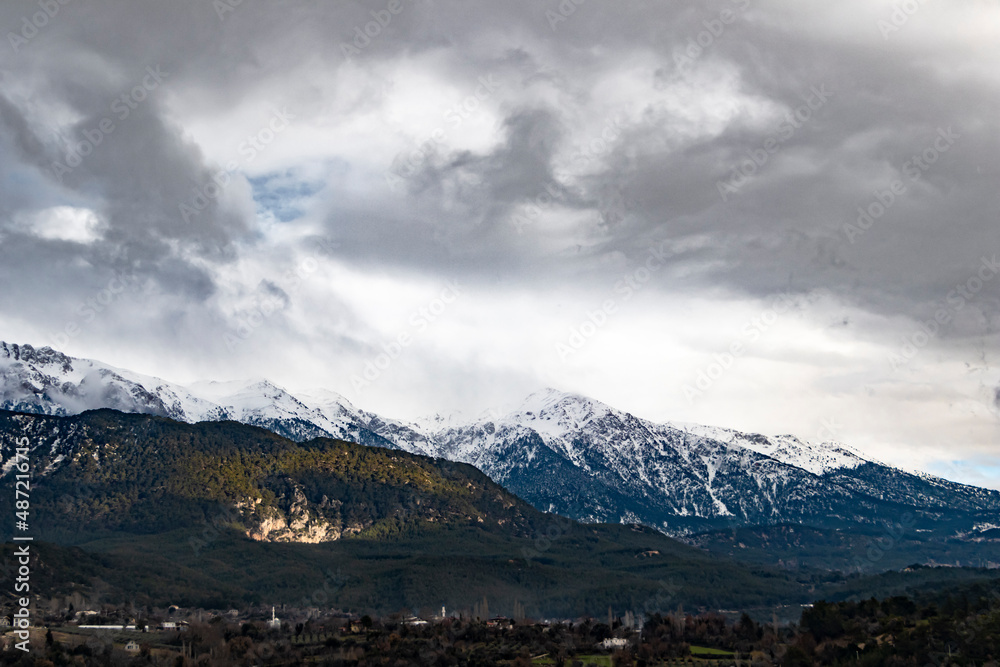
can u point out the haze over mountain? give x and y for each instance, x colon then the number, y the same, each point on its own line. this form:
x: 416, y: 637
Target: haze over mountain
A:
x: 561, y: 452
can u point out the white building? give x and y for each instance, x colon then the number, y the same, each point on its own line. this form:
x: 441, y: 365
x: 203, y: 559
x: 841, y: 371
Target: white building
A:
x: 413, y: 620
x: 275, y: 622
x: 181, y: 626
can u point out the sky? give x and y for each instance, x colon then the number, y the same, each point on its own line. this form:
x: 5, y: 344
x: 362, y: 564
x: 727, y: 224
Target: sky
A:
x: 780, y: 217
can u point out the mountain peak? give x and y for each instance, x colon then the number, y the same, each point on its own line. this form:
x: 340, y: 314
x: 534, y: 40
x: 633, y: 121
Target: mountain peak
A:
x: 555, y: 414
x: 547, y: 399
x: 43, y: 356
x: 320, y: 397
x: 228, y: 388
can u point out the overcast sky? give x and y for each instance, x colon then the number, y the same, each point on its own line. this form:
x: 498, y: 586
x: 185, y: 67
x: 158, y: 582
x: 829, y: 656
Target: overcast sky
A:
x: 737, y: 213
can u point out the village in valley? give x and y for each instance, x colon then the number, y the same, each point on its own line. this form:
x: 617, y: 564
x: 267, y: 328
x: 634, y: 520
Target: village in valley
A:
x: 93, y: 634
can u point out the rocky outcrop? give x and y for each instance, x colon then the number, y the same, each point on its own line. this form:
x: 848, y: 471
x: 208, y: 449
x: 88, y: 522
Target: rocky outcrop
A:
x: 298, y: 523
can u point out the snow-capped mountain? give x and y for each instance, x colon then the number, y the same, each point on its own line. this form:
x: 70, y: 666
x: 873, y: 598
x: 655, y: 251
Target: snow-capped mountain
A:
x: 48, y: 382
x: 578, y: 457
x: 561, y: 452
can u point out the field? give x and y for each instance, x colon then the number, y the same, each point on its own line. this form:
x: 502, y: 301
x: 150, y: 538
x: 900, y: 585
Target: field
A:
x: 702, y: 651
x: 587, y: 660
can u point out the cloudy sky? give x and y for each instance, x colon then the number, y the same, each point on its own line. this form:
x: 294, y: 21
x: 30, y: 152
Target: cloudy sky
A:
x: 780, y: 217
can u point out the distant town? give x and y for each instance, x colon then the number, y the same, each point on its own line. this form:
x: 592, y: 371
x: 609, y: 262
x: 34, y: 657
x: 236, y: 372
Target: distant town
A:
x: 273, y: 635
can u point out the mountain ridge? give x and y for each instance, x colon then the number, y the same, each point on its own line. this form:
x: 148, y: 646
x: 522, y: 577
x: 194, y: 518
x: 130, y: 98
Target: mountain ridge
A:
x: 561, y: 452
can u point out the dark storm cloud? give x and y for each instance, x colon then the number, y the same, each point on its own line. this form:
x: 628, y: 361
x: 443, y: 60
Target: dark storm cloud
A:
x: 886, y: 107
x: 102, y: 65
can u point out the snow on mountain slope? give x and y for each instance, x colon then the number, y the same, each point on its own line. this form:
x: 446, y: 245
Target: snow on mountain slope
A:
x: 579, y: 457
x: 817, y: 458
x: 586, y: 459
x: 561, y: 452
x: 49, y: 382
x: 261, y: 403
